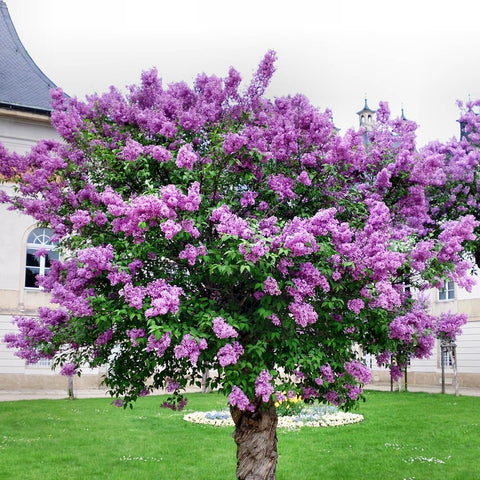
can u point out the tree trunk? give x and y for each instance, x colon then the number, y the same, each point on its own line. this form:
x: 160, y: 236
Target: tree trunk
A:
x: 71, y: 395
x: 256, y: 438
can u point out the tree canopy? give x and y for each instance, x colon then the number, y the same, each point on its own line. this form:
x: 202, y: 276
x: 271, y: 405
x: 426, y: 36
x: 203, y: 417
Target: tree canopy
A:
x: 211, y: 228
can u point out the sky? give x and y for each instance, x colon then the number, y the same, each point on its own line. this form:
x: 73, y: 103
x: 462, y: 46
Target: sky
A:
x: 421, y: 55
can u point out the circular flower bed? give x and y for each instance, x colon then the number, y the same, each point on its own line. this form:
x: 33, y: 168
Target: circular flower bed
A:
x: 310, y: 416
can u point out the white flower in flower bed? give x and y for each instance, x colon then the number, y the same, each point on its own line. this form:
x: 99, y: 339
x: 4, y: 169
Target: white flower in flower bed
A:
x: 310, y: 416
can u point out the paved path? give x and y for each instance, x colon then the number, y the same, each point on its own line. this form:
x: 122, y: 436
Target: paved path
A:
x: 97, y: 393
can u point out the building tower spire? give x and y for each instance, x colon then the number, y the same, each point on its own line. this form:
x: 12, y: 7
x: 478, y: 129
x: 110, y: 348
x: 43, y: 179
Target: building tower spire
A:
x: 366, y: 117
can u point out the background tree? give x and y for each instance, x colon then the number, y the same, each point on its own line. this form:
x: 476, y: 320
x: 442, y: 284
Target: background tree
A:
x: 454, y: 166
x: 206, y: 228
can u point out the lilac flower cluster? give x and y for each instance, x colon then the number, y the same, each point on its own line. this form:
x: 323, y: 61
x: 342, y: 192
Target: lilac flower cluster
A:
x: 172, y: 385
x: 190, y: 347
x: 229, y: 354
x: 133, y: 295
x: 186, y: 157
x: 238, y: 399
x: 303, y: 313
x: 176, y: 404
x: 145, y: 211
x: 134, y: 334
x: 68, y: 370
x: 253, y: 252
x: 165, y: 298
x: 230, y: 224
x: 415, y: 328
x: 159, y: 346
x: 28, y: 341
x: 449, y: 325
x: 356, y: 305
x: 222, y: 329
x: 358, y: 371
x: 191, y: 253
x: 263, y: 387
x: 104, y: 337
x: 270, y: 286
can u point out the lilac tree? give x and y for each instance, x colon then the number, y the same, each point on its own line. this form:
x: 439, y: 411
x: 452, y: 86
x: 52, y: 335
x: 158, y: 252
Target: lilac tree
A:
x: 454, y: 165
x: 212, y: 228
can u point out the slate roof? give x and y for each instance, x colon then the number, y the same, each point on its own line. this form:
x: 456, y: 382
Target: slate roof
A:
x: 366, y: 108
x: 23, y: 86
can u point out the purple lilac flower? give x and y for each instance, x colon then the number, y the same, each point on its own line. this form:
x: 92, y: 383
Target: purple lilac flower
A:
x: 238, y: 399
x: 233, y: 142
x: 230, y: 224
x: 280, y: 396
x: 327, y: 373
x: 309, y: 392
x: 191, y: 253
x: 100, y: 218
x: 134, y: 266
x: 263, y: 387
x: 449, y: 325
x: 172, y: 385
x: 275, y: 320
x: 303, y: 313
x: 353, y: 391
x: 229, y: 354
x: 165, y: 298
x: 68, y: 370
x: 190, y: 347
x: 384, y: 358
x: 282, y: 186
x: 104, y: 337
x: 131, y: 151
x: 80, y: 219
x: 358, y: 371
x: 159, y: 346
x: 134, y: 334
x: 186, y: 157
x: 395, y: 372
x: 304, y: 178
x: 332, y: 397
x: 159, y: 153
x: 270, y: 286
x: 222, y: 329
x: 356, y: 305
x: 248, y: 198
x: 252, y: 253
x: 133, y: 295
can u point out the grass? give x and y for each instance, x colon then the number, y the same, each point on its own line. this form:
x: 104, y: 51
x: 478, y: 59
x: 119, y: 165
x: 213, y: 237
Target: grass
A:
x: 404, y: 436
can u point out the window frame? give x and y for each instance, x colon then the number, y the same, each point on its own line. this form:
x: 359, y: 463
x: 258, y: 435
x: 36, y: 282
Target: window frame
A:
x: 447, y: 293
x: 38, y: 238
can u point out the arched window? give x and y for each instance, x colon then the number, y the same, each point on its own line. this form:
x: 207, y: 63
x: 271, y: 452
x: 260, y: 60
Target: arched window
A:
x: 40, y: 252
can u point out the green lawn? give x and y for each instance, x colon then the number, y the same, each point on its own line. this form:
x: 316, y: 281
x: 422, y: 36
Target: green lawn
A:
x: 404, y: 436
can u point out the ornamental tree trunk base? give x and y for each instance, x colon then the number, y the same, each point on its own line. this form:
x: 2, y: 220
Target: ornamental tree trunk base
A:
x: 256, y: 438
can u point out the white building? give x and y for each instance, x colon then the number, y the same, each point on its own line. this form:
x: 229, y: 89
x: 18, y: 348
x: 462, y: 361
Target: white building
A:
x: 451, y: 299
x: 24, y: 119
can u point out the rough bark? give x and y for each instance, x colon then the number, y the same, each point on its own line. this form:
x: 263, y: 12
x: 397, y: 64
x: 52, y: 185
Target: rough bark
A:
x: 256, y: 438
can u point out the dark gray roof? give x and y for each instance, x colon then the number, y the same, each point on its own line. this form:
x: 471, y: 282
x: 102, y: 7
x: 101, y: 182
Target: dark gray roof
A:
x: 366, y: 108
x: 23, y: 86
